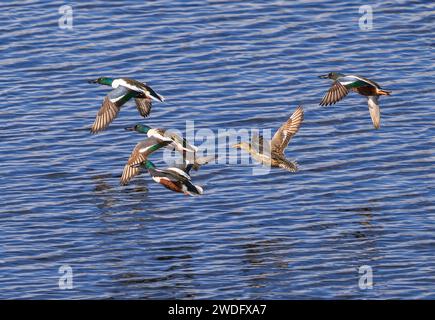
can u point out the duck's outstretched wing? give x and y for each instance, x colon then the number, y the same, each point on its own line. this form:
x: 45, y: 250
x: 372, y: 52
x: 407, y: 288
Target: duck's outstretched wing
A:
x: 288, y: 165
x: 143, y: 106
x: 282, y: 137
x: 375, y: 111
x: 136, y: 157
x: 200, y: 161
x: 337, y: 92
x: 139, y: 155
x: 197, y: 163
x: 110, y: 108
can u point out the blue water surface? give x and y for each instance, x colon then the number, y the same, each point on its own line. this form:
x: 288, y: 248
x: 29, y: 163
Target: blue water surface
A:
x: 362, y: 197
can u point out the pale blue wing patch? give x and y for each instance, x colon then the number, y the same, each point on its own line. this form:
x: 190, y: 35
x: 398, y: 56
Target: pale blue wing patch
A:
x: 117, y: 94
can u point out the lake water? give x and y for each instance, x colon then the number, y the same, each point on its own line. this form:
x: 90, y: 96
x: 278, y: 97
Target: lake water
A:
x: 362, y: 197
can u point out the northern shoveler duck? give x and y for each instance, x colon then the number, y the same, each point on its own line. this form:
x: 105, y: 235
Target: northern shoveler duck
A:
x: 173, y: 179
x: 141, y: 151
x: 180, y: 144
x: 123, y: 90
x: 343, y: 83
x: 139, y: 155
x: 271, y: 153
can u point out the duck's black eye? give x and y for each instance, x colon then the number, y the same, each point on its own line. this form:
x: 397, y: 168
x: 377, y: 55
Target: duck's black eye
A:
x: 330, y: 74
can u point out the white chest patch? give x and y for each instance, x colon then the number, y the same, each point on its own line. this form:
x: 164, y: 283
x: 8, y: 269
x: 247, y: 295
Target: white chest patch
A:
x: 116, y: 83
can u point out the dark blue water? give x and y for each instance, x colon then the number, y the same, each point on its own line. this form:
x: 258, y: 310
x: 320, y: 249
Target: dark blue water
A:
x: 361, y: 197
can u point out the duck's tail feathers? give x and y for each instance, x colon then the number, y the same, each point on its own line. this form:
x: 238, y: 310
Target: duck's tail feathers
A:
x: 154, y: 95
x: 193, y: 189
x: 383, y: 92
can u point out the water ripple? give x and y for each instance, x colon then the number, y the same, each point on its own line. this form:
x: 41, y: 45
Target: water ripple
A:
x: 362, y: 197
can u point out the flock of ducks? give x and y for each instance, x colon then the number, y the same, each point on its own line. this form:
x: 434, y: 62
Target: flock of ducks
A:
x: 269, y: 153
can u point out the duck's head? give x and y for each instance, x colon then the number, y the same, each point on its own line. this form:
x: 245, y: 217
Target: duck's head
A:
x: 331, y: 75
x: 242, y: 145
x: 102, y: 80
x: 141, y: 128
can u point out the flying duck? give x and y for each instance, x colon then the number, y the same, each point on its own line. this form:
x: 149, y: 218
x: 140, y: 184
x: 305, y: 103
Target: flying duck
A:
x: 139, y: 155
x: 343, y: 83
x: 123, y: 90
x: 271, y: 153
x: 173, y: 179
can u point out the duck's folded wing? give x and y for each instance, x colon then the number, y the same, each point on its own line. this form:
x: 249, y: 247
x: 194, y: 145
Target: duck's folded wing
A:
x: 110, y: 108
x: 337, y: 92
x: 352, y: 81
x: 282, y: 137
x: 143, y: 106
x: 133, y: 85
x: 375, y: 111
x: 177, y: 174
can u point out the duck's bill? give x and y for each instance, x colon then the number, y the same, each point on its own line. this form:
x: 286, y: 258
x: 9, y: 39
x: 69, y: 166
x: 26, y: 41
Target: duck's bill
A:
x: 129, y: 128
x: 324, y: 76
x: 93, y: 81
x: 237, y: 145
